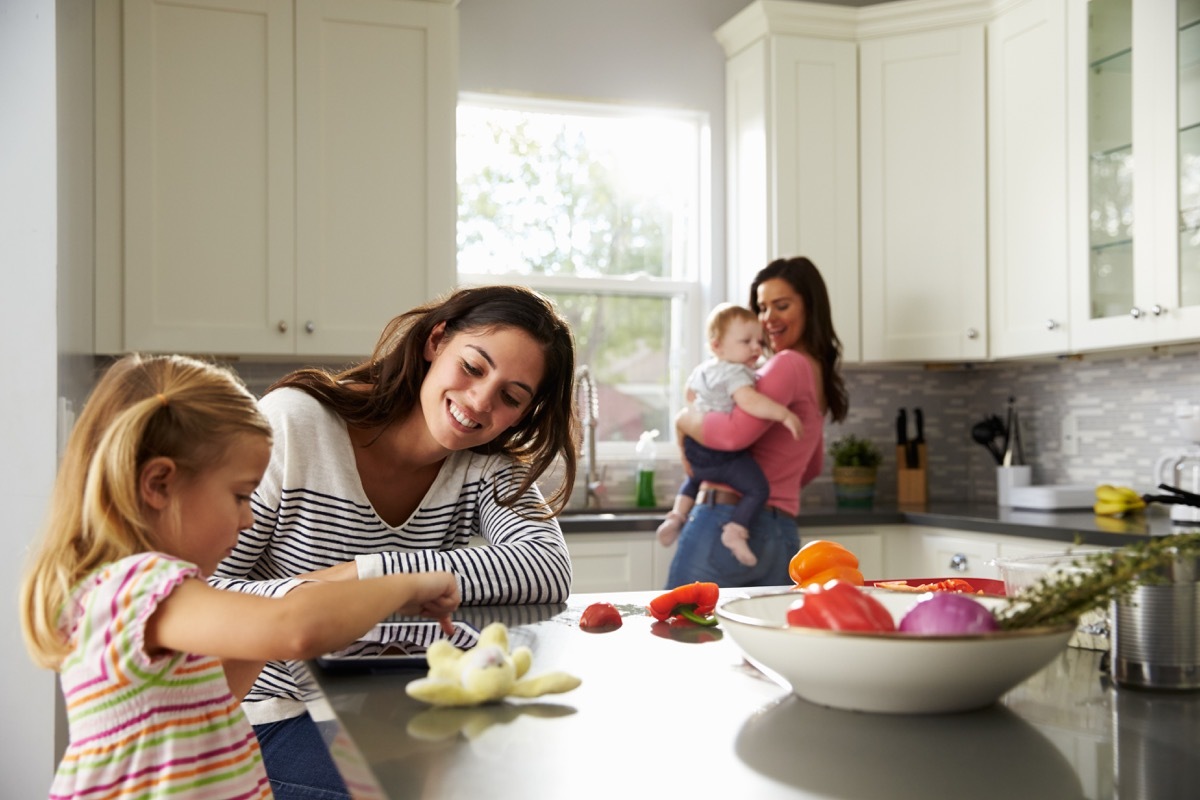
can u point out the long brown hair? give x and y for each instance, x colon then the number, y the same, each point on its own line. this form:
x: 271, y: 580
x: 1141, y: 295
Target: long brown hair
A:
x: 142, y: 408
x: 820, y: 339
x: 396, y: 369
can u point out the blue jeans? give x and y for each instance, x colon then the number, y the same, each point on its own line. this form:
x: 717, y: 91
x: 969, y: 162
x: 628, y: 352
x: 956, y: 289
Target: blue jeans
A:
x: 298, y: 762
x: 700, y: 555
x: 736, y: 468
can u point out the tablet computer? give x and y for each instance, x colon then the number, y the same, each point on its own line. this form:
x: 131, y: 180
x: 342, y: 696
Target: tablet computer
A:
x: 397, y: 644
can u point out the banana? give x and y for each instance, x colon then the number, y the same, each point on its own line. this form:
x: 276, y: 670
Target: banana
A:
x: 1117, y: 494
x: 1109, y: 508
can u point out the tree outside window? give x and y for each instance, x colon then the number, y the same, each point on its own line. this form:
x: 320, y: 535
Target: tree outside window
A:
x: 600, y: 208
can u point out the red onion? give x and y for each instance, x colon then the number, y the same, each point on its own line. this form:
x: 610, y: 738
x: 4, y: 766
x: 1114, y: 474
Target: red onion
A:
x: 947, y: 614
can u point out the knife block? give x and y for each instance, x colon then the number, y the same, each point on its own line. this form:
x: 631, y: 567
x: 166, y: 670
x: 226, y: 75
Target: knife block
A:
x: 912, y: 485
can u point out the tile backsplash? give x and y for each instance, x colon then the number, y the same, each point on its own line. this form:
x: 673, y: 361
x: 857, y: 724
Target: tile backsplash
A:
x: 1122, y: 408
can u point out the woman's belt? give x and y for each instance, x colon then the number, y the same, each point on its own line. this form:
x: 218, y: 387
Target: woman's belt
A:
x: 724, y: 497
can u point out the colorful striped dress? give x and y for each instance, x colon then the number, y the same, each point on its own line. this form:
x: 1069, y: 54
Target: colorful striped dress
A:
x: 145, y: 727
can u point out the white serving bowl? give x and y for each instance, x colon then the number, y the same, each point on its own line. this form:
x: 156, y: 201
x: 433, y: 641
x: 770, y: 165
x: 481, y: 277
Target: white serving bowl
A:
x: 890, y: 673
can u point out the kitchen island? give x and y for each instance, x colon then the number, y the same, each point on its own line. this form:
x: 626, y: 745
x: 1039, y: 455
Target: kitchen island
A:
x: 667, y: 714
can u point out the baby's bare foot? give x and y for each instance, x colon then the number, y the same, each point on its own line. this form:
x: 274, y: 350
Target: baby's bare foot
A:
x: 735, y: 537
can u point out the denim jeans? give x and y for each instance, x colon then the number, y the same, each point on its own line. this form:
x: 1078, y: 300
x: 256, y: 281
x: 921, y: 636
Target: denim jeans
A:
x: 736, y: 468
x: 700, y: 555
x: 298, y: 763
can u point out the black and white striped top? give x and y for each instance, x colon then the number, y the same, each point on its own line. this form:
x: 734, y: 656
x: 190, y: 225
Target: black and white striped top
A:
x: 310, y: 512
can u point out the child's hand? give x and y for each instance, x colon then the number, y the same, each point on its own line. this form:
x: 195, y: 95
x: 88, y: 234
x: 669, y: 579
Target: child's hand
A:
x: 434, y: 594
x: 792, y: 423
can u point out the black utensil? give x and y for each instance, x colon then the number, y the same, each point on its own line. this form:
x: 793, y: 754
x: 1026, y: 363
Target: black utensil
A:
x: 902, y: 428
x: 984, y: 433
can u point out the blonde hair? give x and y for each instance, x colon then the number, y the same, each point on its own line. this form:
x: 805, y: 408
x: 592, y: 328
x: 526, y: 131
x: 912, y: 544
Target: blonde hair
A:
x: 722, y: 316
x: 142, y: 408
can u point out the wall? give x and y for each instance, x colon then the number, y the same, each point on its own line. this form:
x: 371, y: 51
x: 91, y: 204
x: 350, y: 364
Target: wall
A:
x: 28, y: 230
x: 647, y: 52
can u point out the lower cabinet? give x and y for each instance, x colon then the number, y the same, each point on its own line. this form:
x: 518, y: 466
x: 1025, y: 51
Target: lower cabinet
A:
x: 865, y: 542
x: 614, y: 562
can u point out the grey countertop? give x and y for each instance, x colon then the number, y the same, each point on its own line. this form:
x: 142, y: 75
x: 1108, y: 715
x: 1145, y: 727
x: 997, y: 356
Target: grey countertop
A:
x: 658, y: 716
x: 1067, y: 526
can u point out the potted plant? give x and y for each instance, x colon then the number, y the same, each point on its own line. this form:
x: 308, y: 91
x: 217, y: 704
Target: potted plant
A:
x: 855, y: 465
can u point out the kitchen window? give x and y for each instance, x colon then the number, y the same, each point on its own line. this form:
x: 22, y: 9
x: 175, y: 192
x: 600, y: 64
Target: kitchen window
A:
x: 601, y: 208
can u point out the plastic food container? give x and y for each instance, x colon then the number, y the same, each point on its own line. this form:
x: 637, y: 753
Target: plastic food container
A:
x: 1095, y: 626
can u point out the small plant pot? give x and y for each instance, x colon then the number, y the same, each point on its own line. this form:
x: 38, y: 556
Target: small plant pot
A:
x: 854, y: 487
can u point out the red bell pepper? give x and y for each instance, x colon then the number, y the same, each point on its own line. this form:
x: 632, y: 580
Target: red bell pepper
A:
x: 839, y: 606
x: 694, y: 601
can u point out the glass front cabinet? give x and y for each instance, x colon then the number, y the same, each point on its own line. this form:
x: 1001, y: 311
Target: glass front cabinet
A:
x: 1134, y: 72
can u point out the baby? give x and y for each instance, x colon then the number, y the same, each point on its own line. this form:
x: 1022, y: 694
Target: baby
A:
x: 718, y: 384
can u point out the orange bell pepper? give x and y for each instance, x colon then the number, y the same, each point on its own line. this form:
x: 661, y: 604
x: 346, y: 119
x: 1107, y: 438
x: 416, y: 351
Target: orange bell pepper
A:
x: 821, y: 561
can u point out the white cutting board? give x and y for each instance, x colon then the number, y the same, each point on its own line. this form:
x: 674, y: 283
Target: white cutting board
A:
x: 1053, y: 498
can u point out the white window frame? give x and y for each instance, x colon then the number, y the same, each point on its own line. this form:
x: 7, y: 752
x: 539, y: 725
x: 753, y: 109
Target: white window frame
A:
x: 686, y: 347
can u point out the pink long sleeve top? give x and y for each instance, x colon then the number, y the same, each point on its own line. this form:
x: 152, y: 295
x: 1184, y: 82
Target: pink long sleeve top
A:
x: 788, y: 463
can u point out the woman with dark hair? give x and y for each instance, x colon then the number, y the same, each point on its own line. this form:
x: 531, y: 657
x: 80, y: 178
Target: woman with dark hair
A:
x: 792, y: 303
x: 394, y: 464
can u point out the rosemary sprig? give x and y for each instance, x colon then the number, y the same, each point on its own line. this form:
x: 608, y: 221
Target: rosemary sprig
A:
x: 1063, y: 597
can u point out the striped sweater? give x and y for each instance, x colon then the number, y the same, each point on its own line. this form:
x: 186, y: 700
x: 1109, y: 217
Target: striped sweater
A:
x: 145, y: 727
x: 311, y: 512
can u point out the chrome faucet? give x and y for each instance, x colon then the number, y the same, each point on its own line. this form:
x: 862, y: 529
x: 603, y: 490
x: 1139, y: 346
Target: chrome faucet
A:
x: 587, y: 402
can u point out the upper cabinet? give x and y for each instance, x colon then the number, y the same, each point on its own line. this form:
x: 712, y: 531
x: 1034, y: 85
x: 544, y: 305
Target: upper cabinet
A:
x: 1135, y: 185
x: 792, y: 132
x: 924, y: 189
x: 274, y: 177
x: 1028, y: 263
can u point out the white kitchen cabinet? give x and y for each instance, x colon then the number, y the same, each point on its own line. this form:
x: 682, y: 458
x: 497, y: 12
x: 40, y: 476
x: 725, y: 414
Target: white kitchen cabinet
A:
x: 924, y: 193
x: 867, y: 543
x: 1028, y: 266
x: 282, y: 173
x: 612, y: 561
x: 791, y: 132
x: 1134, y: 84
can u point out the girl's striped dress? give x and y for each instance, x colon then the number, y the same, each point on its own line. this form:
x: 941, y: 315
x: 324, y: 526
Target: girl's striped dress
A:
x: 145, y: 727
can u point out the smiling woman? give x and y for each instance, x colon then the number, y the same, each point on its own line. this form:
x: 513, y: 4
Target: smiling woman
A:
x: 392, y: 465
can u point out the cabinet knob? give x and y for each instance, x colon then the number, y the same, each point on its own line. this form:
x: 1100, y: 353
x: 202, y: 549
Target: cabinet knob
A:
x: 282, y: 326
x: 1051, y: 325
x: 1136, y: 313
x: 1158, y: 310
x: 310, y: 326
x: 972, y: 333
x: 958, y: 562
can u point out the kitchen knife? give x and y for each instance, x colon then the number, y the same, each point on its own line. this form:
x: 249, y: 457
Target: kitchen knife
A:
x: 902, y: 428
x: 914, y: 457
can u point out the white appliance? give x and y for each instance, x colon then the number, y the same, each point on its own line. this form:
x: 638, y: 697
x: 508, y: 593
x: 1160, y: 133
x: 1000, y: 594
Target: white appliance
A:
x: 1182, y: 470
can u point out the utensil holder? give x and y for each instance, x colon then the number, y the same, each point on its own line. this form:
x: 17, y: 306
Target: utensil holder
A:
x: 1009, y: 477
x: 912, y: 484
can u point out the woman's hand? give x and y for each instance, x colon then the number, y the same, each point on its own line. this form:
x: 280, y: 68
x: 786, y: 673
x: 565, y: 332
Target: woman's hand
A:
x: 689, y: 422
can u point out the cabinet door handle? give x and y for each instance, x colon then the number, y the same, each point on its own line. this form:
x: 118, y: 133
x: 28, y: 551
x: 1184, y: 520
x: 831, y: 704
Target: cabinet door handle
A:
x: 282, y: 326
x: 972, y: 333
x: 1051, y: 325
x: 958, y: 562
x: 310, y: 326
x: 1158, y: 310
x: 1136, y: 313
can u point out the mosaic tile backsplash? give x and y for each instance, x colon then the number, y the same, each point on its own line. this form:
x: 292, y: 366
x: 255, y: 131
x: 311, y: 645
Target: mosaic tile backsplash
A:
x: 1122, y: 408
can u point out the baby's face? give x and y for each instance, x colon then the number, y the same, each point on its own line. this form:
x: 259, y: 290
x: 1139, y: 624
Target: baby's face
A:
x: 741, y: 343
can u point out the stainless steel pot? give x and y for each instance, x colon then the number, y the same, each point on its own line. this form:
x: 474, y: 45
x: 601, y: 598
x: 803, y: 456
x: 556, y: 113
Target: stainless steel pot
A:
x: 1156, y: 632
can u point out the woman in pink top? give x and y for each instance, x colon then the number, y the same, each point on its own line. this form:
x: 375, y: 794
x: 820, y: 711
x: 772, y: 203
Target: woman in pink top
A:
x: 792, y: 303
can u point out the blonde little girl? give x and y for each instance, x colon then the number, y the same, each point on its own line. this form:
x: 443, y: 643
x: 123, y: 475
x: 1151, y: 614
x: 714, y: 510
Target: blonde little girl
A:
x: 152, y: 493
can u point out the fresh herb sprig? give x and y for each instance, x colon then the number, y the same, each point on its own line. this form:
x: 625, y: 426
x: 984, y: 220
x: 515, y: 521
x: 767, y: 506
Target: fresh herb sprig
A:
x: 1095, y: 580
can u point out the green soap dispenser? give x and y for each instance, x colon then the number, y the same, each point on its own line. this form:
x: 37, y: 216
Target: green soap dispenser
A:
x: 646, y: 451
